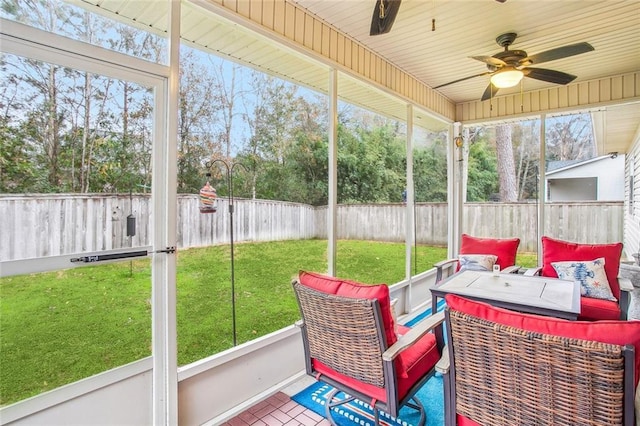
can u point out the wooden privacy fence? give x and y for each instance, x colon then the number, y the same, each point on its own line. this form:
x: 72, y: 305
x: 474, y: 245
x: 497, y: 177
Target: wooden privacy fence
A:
x: 47, y: 225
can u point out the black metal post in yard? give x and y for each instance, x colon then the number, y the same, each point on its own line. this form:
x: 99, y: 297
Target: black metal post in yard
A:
x: 230, y: 167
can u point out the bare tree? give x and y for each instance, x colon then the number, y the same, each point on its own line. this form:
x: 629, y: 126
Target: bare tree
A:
x: 570, y: 138
x: 229, y: 92
x: 506, y: 164
x: 527, y: 157
x: 198, y: 108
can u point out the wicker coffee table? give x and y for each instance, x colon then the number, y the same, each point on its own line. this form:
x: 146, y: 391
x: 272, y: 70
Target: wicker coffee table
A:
x: 535, y: 295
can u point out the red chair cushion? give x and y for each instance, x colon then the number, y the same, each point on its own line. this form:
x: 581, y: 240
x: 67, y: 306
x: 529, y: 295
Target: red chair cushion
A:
x: 598, y: 309
x: 347, y: 288
x: 419, y: 359
x: 608, y: 331
x: 416, y: 360
x: 558, y: 251
x: 463, y: 421
x: 505, y: 248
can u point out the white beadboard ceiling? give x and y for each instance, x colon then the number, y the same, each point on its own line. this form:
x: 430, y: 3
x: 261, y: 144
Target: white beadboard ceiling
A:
x: 463, y: 28
x: 469, y: 28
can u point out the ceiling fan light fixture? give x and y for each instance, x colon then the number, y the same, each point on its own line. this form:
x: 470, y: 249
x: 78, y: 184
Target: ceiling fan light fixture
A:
x: 506, y: 78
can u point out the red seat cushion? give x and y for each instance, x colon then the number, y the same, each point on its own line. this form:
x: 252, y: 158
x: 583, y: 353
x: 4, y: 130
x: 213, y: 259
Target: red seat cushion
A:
x: 609, y: 331
x: 463, y: 421
x: 505, y: 248
x: 598, y: 309
x: 347, y: 288
x: 558, y: 251
x: 418, y: 359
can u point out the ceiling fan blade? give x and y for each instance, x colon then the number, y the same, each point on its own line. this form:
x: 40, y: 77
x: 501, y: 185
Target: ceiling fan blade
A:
x: 501, y: 1
x: 462, y: 79
x: 558, y: 53
x: 384, y: 13
x: 551, y: 76
x: 490, y: 60
x: 490, y: 91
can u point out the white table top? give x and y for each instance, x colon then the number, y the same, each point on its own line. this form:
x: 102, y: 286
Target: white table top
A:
x: 540, y: 292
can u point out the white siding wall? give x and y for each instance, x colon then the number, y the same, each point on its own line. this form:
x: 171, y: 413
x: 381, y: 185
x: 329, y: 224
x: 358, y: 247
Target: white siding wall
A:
x: 632, y: 211
x: 608, y: 171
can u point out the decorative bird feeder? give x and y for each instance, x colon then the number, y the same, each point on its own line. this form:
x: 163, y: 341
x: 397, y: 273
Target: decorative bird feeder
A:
x: 208, y: 199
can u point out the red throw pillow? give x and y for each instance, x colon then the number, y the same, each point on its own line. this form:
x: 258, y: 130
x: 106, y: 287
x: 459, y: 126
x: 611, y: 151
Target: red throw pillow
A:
x: 505, y: 248
x: 615, y: 332
x: 558, y: 251
x: 347, y: 288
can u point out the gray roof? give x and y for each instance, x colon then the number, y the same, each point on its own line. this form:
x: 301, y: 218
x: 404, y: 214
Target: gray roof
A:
x: 559, y: 164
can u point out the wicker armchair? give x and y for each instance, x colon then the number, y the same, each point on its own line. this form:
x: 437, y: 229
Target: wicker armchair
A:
x: 346, y: 346
x: 508, y: 368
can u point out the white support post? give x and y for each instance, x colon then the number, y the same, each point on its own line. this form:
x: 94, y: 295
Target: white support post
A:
x: 542, y: 184
x: 455, y: 188
x: 410, y: 221
x: 410, y: 191
x: 332, y: 205
x: 164, y: 336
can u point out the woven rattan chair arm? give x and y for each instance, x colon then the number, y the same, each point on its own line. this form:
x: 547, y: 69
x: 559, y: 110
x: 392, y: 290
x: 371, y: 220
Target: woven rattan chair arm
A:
x: 443, y: 364
x: 625, y: 284
x: 533, y: 271
x: 413, y: 335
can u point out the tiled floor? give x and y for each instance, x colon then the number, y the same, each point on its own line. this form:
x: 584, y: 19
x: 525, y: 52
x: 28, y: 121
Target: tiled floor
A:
x: 279, y: 409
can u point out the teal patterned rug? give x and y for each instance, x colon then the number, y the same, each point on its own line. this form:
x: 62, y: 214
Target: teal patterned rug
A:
x: 359, y: 413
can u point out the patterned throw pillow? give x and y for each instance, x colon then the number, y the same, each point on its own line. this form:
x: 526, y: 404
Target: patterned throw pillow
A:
x: 477, y: 262
x: 590, y: 275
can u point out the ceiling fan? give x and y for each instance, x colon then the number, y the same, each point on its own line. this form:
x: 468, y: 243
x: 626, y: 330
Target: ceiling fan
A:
x: 384, y: 13
x: 507, y: 68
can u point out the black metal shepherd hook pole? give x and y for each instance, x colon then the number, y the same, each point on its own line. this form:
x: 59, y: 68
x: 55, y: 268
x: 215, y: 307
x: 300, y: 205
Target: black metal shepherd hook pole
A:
x: 230, y: 167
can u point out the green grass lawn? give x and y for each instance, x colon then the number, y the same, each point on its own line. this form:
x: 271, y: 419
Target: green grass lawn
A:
x: 59, y: 327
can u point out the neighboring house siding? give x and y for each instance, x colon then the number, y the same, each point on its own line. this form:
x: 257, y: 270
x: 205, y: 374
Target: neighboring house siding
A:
x: 632, y: 211
x: 598, y: 179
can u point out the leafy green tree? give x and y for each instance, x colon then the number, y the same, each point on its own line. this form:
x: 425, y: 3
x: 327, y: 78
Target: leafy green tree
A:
x: 80, y: 132
x: 272, y: 124
x: 16, y: 169
x: 482, y: 183
x: 309, y: 154
x: 430, y: 172
x: 370, y: 164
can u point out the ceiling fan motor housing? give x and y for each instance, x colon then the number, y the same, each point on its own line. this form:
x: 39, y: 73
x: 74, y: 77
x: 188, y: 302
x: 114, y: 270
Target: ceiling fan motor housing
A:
x: 510, y: 57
